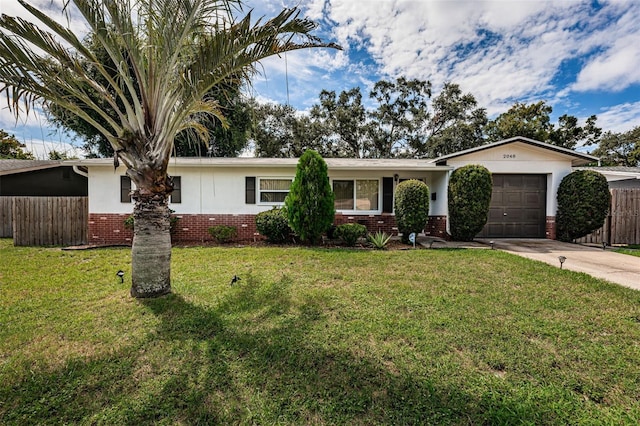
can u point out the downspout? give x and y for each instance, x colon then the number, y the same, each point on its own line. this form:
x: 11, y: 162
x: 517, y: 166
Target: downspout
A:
x: 77, y: 170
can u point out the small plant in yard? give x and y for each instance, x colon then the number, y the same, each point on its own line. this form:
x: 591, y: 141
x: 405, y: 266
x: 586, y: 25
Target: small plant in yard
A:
x: 411, y: 207
x: 349, y: 233
x: 379, y: 240
x: 274, y: 225
x: 223, y: 233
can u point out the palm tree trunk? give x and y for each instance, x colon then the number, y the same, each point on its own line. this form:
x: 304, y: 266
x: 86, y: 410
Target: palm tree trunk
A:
x: 151, y: 250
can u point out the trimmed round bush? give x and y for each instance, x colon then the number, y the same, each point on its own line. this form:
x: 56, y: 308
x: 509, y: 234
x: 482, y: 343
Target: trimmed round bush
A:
x: 274, y: 225
x: 309, y: 204
x: 412, y: 207
x: 223, y: 233
x: 469, y: 191
x: 350, y: 233
x: 583, y: 204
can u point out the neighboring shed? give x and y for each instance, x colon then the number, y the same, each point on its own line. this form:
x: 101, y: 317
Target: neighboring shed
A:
x: 41, y: 178
x: 43, y: 202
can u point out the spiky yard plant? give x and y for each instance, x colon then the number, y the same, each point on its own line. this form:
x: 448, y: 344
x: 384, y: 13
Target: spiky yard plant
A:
x: 167, y: 55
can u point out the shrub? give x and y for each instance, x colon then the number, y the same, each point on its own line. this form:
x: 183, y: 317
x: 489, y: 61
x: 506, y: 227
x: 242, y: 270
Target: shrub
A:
x: 411, y: 207
x: 583, y: 204
x: 223, y: 233
x: 469, y: 199
x: 309, y: 204
x: 350, y: 233
x: 274, y: 225
x: 379, y: 240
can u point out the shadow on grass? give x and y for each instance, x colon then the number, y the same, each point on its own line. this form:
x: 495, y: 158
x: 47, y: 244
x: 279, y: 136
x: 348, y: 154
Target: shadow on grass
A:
x: 201, y: 366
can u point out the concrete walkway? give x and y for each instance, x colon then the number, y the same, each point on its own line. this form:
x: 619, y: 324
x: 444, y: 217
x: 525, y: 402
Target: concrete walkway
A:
x: 614, y: 267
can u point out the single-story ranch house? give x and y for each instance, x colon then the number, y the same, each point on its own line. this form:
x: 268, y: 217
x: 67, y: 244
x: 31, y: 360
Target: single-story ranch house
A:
x: 231, y: 191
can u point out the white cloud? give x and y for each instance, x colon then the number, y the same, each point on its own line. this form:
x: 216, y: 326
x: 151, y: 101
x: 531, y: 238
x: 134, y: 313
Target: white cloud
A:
x: 620, y: 118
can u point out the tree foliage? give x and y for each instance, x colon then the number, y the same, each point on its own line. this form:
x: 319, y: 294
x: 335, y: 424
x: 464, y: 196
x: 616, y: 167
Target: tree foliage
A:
x: 456, y: 123
x: 310, y: 202
x: 396, y: 122
x: 583, y: 203
x: 411, y: 207
x: 469, y: 194
x: 620, y: 149
x: 534, y: 121
x: 10, y: 148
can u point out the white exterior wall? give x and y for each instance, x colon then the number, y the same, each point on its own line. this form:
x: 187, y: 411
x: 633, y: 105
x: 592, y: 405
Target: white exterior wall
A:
x: 521, y: 158
x: 221, y: 190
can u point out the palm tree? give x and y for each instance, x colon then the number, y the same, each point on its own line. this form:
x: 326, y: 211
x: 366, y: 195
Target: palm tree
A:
x: 167, y: 54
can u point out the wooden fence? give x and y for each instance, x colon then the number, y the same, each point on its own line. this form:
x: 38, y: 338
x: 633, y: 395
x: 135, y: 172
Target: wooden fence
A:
x: 47, y: 221
x: 6, y: 219
x: 622, y: 226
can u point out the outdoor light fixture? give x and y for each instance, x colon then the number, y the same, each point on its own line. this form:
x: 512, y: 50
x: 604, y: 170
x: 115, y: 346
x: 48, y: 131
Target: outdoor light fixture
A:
x: 396, y: 178
x: 561, y: 259
x: 604, y: 245
x: 492, y: 245
x: 120, y: 273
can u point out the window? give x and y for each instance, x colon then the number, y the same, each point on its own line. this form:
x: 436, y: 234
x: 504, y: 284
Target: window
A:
x: 356, y: 194
x: 274, y: 190
x: 125, y: 189
x: 176, y: 195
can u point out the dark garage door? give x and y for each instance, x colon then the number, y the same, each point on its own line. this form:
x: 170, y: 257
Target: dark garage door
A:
x: 518, y: 207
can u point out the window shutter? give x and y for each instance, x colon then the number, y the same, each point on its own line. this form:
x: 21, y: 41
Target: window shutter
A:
x: 250, y: 190
x: 176, y: 195
x: 387, y: 195
x: 125, y: 189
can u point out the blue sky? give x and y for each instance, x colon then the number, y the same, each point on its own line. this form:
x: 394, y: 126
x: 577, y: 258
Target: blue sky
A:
x: 581, y: 57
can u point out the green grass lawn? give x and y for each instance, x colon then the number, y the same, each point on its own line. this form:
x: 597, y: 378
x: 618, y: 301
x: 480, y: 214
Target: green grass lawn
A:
x: 632, y: 249
x: 315, y: 336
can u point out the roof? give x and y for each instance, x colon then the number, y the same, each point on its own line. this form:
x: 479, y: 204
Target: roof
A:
x: 253, y: 162
x: 579, y: 158
x: 613, y: 173
x: 8, y: 167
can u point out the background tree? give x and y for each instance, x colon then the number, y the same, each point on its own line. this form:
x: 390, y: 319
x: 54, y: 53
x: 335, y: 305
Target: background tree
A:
x: 57, y: 155
x: 620, y: 149
x: 533, y: 121
x: 411, y: 206
x: 342, y: 119
x: 399, y: 117
x: 469, y: 196
x: 583, y: 203
x: 10, y: 148
x: 167, y: 56
x: 454, y: 124
x: 310, y: 202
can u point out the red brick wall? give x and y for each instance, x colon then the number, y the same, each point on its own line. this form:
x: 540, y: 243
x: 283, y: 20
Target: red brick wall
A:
x: 550, y: 228
x: 108, y: 229
x: 193, y: 228
x: 437, y: 227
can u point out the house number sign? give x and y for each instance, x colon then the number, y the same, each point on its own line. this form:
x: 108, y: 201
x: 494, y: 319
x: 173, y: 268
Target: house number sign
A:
x: 508, y: 156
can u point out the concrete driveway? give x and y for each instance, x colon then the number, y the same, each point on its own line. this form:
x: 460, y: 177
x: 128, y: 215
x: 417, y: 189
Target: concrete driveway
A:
x: 614, y: 267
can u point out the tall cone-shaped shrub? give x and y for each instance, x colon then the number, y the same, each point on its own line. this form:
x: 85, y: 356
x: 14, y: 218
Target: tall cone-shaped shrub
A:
x: 309, y: 205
